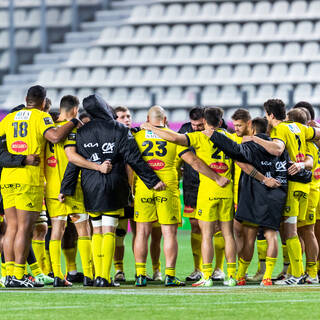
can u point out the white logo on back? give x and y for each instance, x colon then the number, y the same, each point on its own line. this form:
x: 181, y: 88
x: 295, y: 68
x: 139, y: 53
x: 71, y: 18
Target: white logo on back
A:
x: 108, y: 147
x: 23, y: 115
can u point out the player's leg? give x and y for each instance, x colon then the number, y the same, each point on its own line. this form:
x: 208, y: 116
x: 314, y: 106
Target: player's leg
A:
x: 2, y: 262
x: 238, y: 234
x: 286, y: 270
x: 48, y: 271
x: 155, y: 250
x: 81, y: 223
x: 271, y: 255
x: 143, y: 231
x: 119, y: 251
x: 219, y: 247
x: 97, y: 236
x: 109, y: 224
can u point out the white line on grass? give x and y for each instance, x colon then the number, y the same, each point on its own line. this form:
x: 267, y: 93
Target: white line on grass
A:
x: 43, y: 308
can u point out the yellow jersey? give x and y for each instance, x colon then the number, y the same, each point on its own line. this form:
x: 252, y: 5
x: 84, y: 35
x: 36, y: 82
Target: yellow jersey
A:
x: 294, y: 135
x: 314, y: 152
x: 24, y: 130
x: 216, y: 160
x: 159, y: 154
x: 56, y: 162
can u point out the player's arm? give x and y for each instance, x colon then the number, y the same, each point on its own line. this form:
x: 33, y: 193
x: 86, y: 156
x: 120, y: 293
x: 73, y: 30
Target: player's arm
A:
x: 298, y: 166
x: 81, y: 162
x: 167, y: 135
x: 198, y: 165
x: 254, y: 173
x: 55, y: 135
x: 274, y: 147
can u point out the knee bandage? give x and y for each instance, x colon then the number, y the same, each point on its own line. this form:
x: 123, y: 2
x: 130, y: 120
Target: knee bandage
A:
x: 79, y: 217
x: 108, y: 221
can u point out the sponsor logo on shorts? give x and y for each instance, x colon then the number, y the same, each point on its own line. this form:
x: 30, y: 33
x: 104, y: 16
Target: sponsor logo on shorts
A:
x: 287, y: 209
x: 19, y: 146
x: 153, y: 200
x: 316, y: 174
x: 156, y: 164
x: 52, y: 162
x: 47, y: 120
x: 311, y: 216
x: 199, y: 212
x: 219, y: 167
x: 173, y: 218
x: 30, y: 205
x: 11, y: 186
x: 136, y: 214
x: 75, y: 208
x: 22, y: 115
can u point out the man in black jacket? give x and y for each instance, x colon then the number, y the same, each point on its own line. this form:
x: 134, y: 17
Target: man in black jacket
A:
x: 104, y: 141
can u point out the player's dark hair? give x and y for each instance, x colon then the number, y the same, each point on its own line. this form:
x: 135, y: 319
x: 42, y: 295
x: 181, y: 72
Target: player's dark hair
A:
x: 275, y: 107
x: 121, y: 109
x: 54, y: 115
x: 84, y: 115
x: 196, y: 113
x: 297, y: 115
x: 68, y: 102
x: 241, y: 114
x: 48, y: 105
x: 35, y: 96
x: 260, y: 125
x: 213, y: 116
x: 306, y: 105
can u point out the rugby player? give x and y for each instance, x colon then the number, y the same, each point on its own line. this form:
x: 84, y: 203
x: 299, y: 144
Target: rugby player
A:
x: 293, y: 137
x: 55, y: 165
x: 214, y: 203
x: 23, y: 188
x: 190, y: 180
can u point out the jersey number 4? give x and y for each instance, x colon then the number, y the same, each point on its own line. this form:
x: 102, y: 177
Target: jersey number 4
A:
x: 20, y: 129
x: 161, y: 145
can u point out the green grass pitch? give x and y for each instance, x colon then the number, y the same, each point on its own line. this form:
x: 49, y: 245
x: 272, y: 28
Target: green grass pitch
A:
x: 158, y: 302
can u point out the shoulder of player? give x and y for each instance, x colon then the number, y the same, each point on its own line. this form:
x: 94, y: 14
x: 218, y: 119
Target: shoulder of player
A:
x: 186, y: 127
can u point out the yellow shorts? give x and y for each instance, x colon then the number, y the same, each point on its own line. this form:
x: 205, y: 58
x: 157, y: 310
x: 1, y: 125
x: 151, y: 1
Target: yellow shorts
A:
x: 161, y: 206
x: 1, y: 218
x: 213, y: 209
x: 22, y: 197
x: 156, y: 225
x: 189, y: 212
x: 296, y: 205
x: 119, y: 213
x: 318, y: 210
x: 56, y: 208
x: 311, y: 214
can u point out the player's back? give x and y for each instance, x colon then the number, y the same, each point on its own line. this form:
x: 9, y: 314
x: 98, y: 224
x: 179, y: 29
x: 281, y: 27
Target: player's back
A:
x: 24, y: 132
x: 314, y: 152
x: 159, y: 154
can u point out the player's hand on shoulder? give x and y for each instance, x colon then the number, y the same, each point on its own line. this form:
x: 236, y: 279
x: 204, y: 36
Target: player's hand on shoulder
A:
x: 294, y: 168
x: 32, y: 160
x: 160, y: 186
x: 247, y: 139
x: 61, y: 197
x: 146, y: 126
x: 105, y: 167
x: 223, y: 181
x: 313, y: 123
x: 271, y: 183
x: 208, y: 132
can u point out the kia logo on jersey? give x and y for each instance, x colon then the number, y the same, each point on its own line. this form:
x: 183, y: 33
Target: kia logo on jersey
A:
x: 316, y: 174
x: 219, y: 167
x: 156, y: 164
x: 19, y: 146
x: 52, y: 162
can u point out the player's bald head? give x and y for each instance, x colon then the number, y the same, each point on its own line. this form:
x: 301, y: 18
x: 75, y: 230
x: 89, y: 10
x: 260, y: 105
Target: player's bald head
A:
x: 156, y: 114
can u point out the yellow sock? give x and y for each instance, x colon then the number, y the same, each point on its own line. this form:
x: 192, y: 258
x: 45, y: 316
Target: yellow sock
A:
x: 96, y: 253
x: 48, y: 267
x: 18, y: 271
x: 219, y: 250
x: 26, y: 269
x: 84, y: 245
x: 286, y: 260
x: 196, y: 250
x: 141, y: 269
x: 295, y: 256
x: 118, y: 265
x: 270, y: 263
x: 170, y: 271
x: 289, y: 269
x: 3, y: 270
x: 108, y: 247
x: 311, y: 269
x: 35, y: 269
x: 70, y: 257
x: 156, y: 266
x: 10, y: 268
x: 262, y: 247
x: 55, y: 255
x: 318, y: 265
x: 39, y: 249
x: 242, y: 268
x: 207, y: 270
x: 231, y: 269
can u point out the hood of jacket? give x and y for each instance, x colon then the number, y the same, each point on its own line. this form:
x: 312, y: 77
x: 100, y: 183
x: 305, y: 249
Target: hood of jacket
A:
x: 97, y: 108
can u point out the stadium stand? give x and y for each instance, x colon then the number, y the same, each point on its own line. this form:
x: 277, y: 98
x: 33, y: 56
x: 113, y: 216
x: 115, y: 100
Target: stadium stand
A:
x: 178, y: 54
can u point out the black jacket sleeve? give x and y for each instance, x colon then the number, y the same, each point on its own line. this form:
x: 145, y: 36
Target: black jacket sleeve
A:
x: 131, y: 155
x: 70, y: 179
x: 229, y: 147
x: 8, y: 159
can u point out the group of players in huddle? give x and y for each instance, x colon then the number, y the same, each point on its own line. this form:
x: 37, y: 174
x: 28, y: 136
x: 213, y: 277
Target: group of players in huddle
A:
x: 89, y: 175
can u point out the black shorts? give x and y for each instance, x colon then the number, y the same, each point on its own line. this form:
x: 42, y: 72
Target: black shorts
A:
x: 128, y: 213
x: 190, y: 198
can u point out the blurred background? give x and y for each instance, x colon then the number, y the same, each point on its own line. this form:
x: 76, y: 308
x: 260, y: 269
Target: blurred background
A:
x: 177, y: 54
